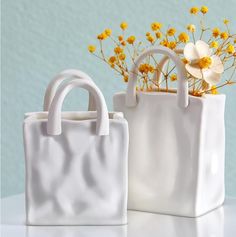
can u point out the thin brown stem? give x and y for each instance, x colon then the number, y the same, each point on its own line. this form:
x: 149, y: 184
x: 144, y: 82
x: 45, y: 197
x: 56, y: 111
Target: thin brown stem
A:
x: 166, y: 75
x: 217, y: 87
x: 193, y: 37
x: 171, y: 70
x: 157, y: 66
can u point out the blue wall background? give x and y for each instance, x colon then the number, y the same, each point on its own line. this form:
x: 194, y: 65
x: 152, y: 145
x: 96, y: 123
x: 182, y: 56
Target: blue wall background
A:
x: 42, y: 37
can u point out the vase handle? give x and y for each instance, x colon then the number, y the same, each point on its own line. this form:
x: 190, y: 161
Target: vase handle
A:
x: 182, y: 88
x: 54, y: 113
x: 57, y: 81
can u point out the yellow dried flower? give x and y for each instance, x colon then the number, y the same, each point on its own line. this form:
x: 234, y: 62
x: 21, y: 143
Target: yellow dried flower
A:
x: 226, y: 21
x: 183, y: 37
x: 204, y: 9
x: 173, y: 77
x: 112, y: 59
x: 145, y: 68
x: 123, y: 43
x: 164, y: 42
x: 216, y: 32
x: 108, y: 32
x: 148, y: 33
x: 158, y: 34
x: 224, y: 35
x: 151, y: 69
x: 172, y: 45
x: 118, y: 50
x: 184, y: 60
x: 125, y: 78
x: 91, y: 48
x: 230, y: 49
x: 122, y: 57
x: 120, y: 37
x: 171, y: 31
x: 235, y: 41
x: 191, y: 28
x: 214, y: 44
x: 156, y: 26
x: 150, y: 38
x: 123, y: 25
x: 99, y: 36
x: 102, y: 36
x: 194, y: 10
x: 214, y: 90
x: 131, y: 39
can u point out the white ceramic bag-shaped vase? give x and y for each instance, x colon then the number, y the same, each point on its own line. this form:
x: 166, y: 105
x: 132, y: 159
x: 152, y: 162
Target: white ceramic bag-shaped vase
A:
x: 176, y: 148
x: 76, y: 165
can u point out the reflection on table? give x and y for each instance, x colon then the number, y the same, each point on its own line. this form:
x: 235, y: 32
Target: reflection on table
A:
x: 218, y: 223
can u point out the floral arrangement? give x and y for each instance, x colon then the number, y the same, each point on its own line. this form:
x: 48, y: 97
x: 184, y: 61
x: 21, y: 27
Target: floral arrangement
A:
x: 206, y: 52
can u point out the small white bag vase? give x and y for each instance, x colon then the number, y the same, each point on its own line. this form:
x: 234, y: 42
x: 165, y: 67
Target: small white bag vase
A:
x: 177, y: 146
x: 76, y: 163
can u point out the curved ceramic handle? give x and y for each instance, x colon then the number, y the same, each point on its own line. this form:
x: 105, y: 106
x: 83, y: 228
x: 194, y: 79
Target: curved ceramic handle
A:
x: 161, y: 64
x: 56, y: 82
x: 54, y: 114
x: 182, y: 90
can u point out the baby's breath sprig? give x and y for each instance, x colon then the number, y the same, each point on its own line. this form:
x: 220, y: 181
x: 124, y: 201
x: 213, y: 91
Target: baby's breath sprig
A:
x: 158, y: 74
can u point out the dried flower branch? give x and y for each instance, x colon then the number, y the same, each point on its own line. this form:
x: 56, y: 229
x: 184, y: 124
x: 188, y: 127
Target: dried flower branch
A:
x: 205, y: 60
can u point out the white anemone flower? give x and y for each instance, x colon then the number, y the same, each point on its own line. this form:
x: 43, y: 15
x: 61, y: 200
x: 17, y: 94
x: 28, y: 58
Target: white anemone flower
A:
x: 201, y: 63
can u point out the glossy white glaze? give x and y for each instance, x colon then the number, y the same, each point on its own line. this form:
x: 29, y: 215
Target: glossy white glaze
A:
x: 77, y: 176
x: 176, y: 153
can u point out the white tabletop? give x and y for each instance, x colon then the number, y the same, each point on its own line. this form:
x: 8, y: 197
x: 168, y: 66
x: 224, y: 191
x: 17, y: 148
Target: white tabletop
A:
x: 218, y: 223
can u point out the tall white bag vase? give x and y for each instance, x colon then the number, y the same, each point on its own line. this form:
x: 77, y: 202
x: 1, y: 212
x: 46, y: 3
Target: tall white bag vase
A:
x: 176, y: 148
x: 76, y: 167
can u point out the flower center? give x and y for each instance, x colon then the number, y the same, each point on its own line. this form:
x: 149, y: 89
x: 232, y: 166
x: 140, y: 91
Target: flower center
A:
x: 205, y: 62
